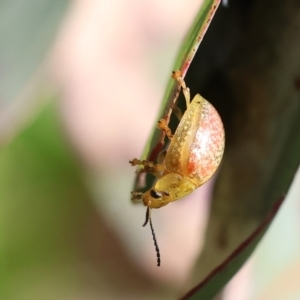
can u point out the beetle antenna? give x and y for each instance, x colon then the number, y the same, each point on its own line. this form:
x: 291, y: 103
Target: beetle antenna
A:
x: 148, y: 218
x: 155, y: 244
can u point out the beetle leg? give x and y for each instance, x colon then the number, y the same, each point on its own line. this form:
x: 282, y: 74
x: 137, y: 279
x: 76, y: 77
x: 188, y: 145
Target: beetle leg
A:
x: 136, y: 197
x: 162, y: 125
x: 178, y: 112
x: 161, y: 156
x: 148, y: 167
x: 186, y: 91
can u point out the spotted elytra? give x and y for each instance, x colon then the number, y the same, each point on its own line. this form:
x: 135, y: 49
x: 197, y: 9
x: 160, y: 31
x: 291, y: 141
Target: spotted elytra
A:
x: 193, y: 156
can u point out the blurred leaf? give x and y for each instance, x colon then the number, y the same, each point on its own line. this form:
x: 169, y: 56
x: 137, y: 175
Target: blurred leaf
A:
x: 258, y: 96
x: 219, y: 277
x: 43, y: 204
x: 258, y: 100
x: 287, y: 165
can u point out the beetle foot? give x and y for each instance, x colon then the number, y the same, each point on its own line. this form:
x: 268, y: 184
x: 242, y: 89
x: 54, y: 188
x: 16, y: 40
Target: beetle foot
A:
x: 149, y: 167
x: 136, y: 196
x: 162, y: 125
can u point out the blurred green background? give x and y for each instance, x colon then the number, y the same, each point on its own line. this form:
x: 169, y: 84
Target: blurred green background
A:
x: 79, y: 93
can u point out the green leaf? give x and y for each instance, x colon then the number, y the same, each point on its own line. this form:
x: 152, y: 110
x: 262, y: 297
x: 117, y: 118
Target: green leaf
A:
x: 278, y: 187
x: 261, y: 114
x: 260, y: 107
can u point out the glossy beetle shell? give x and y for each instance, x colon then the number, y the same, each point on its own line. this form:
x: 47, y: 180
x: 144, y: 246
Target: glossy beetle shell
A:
x: 193, y: 156
x: 197, y: 147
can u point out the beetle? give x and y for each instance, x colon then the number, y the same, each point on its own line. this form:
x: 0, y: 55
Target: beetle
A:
x: 193, y: 156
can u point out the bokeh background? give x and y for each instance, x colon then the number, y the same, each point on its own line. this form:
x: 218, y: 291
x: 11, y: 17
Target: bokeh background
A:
x: 80, y: 87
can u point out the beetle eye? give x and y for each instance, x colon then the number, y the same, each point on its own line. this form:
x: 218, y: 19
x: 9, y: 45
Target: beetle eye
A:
x: 154, y: 194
